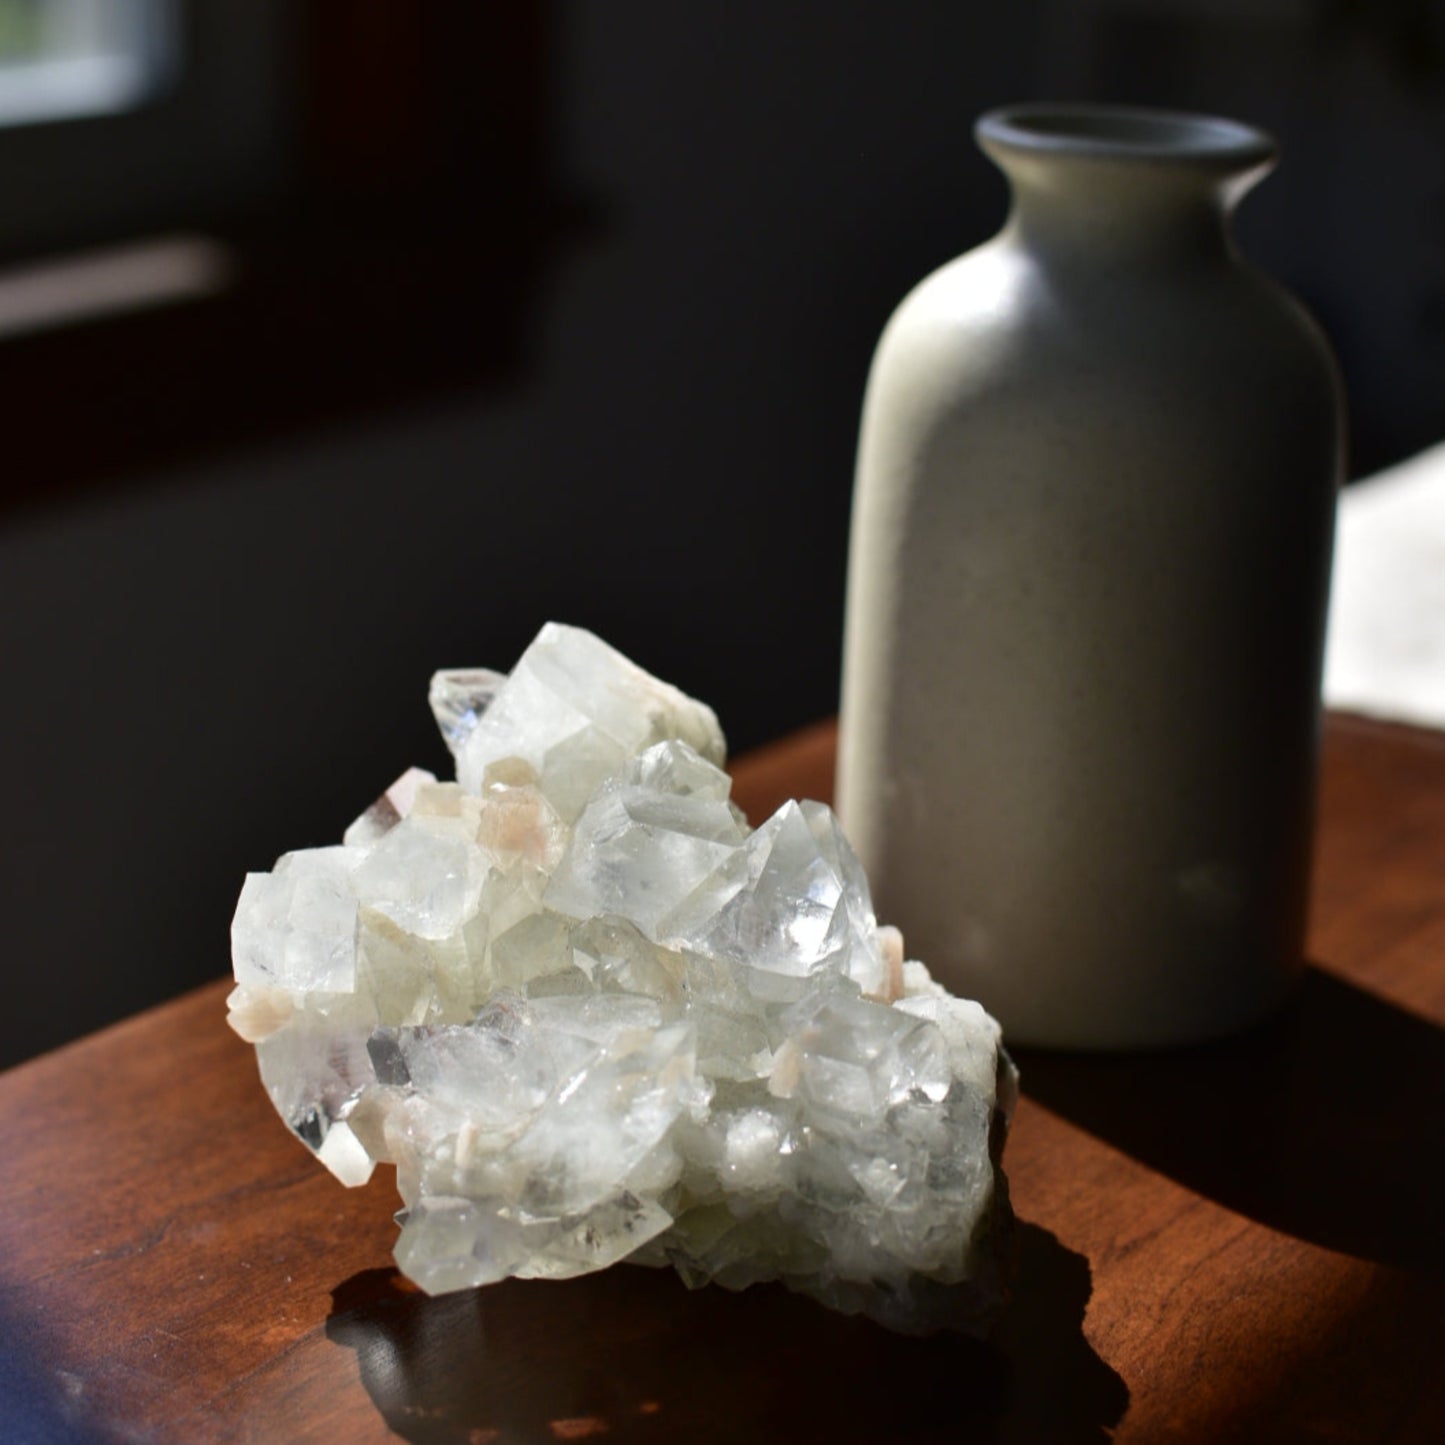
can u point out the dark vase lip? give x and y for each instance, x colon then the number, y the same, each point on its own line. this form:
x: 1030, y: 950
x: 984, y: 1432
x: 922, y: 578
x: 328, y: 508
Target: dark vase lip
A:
x: 1125, y: 133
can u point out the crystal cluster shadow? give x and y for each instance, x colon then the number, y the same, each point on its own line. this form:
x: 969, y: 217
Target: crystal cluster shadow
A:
x: 629, y: 1354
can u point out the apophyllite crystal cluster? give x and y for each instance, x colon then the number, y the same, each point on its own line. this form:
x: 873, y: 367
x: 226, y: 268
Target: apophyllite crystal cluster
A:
x: 590, y: 1015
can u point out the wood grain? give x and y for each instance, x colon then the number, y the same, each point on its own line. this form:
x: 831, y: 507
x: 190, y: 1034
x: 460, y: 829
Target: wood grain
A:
x: 1234, y: 1243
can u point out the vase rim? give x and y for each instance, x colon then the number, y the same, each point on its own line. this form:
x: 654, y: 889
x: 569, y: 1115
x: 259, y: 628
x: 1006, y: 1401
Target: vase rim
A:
x: 1125, y: 132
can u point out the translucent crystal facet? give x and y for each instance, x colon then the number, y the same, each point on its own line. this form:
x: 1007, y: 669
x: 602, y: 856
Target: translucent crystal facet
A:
x: 458, y: 699
x: 590, y: 1015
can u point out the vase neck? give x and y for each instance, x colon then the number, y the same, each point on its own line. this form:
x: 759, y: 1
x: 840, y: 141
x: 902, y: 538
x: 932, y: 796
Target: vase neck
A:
x: 1109, y: 186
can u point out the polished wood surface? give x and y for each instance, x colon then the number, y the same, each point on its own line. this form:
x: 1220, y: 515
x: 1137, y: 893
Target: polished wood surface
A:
x: 1235, y: 1243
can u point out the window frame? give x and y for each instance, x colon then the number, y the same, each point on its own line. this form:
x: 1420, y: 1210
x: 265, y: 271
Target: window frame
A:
x: 377, y: 172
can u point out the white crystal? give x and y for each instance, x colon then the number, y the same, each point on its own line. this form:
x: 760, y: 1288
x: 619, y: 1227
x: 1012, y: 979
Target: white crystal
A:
x: 575, y: 710
x: 589, y: 1015
x: 638, y: 851
x: 295, y: 927
x: 424, y: 878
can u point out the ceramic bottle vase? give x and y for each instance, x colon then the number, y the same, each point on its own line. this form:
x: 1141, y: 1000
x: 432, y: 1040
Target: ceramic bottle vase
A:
x: 1090, y: 557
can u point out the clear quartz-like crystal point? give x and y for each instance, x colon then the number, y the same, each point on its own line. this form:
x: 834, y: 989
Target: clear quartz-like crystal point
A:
x: 793, y: 903
x: 388, y: 810
x: 458, y: 698
x: 588, y: 1015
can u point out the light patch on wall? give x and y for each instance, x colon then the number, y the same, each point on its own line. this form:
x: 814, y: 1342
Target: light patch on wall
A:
x: 111, y: 281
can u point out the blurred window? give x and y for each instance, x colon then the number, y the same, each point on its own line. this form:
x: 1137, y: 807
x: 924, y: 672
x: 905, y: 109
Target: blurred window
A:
x: 226, y: 220
x: 63, y: 59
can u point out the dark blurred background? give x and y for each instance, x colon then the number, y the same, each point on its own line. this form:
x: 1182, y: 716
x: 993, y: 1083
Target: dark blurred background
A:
x: 341, y: 340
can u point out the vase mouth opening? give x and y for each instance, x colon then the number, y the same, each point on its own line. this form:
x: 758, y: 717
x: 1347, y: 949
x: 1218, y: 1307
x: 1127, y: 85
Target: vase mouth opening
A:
x: 1129, y: 133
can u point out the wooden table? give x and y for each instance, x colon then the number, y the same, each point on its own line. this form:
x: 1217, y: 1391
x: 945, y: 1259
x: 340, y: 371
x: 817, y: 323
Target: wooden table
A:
x: 1234, y: 1243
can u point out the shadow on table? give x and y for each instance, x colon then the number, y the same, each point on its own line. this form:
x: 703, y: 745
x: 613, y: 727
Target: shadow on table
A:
x: 1323, y: 1123
x: 38, y: 1401
x: 629, y: 1354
